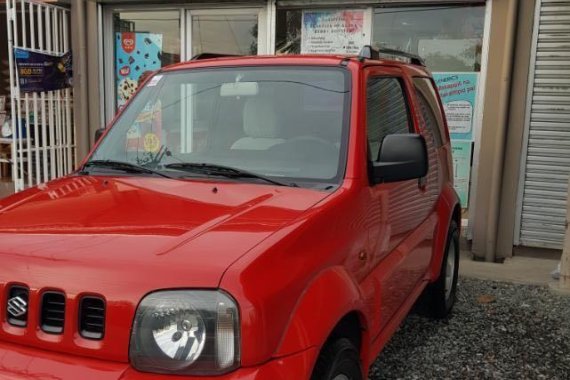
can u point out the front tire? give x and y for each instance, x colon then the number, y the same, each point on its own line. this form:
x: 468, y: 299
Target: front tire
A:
x: 441, y: 295
x: 339, y: 360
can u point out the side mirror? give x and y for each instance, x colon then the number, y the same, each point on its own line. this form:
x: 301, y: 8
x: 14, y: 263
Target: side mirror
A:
x: 98, y: 134
x: 401, y: 158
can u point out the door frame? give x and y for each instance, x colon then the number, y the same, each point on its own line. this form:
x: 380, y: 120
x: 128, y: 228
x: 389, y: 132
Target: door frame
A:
x: 266, y: 36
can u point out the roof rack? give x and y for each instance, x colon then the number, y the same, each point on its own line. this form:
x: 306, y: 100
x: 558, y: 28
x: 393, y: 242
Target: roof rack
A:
x: 201, y: 56
x: 368, y: 52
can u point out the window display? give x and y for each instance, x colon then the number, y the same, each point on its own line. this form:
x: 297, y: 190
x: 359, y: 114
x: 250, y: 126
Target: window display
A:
x: 225, y: 34
x: 450, y: 38
x: 144, y: 41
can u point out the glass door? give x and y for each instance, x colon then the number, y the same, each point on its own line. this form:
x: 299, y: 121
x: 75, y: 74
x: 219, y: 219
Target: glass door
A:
x: 226, y: 31
x: 140, y: 39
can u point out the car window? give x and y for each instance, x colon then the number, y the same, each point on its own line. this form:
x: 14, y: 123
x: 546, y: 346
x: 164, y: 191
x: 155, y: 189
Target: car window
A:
x: 430, y: 109
x: 387, y: 112
x: 279, y: 122
x: 429, y: 119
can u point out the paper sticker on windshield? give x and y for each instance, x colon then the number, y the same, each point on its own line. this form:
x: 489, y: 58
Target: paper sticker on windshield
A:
x: 134, y: 132
x: 151, y: 143
x: 154, y: 80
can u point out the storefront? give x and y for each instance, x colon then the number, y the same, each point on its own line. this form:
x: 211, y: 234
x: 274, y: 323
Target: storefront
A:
x: 490, y: 72
x: 450, y: 36
x: 144, y: 38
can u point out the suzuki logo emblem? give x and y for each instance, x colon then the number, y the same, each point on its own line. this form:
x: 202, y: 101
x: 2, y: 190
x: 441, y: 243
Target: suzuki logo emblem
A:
x: 17, y: 307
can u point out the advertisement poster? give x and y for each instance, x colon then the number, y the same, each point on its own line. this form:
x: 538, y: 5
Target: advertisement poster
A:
x: 335, y: 32
x: 458, y: 92
x: 461, y: 151
x: 136, y: 54
x: 40, y: 72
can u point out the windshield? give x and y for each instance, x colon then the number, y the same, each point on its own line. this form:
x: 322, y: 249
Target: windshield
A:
x: 287, y: 123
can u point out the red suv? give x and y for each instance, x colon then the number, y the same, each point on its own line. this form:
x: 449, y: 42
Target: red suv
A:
x: 244, y: 218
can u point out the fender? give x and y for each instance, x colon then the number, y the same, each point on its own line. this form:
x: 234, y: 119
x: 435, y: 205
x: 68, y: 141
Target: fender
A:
x: 329, y: 297
x: 446, y: 206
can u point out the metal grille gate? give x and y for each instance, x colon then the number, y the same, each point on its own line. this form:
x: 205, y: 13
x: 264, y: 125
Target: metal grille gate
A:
x: 545, y: 166
x: 43, y: 138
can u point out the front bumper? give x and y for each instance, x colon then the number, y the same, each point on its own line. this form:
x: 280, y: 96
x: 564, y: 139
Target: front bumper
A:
x: 23, y: 363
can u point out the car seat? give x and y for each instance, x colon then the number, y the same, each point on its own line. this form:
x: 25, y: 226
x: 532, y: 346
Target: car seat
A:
x: 260, y: 124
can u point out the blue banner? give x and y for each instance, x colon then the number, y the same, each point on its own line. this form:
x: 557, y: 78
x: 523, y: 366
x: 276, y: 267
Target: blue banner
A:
x: 40, y: 72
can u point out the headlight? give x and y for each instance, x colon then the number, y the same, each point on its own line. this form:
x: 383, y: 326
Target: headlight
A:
x: 186, y: 332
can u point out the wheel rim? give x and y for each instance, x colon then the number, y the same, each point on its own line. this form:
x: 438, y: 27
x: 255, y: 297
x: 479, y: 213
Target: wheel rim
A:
x: 450, y: 271
x: 341, y: 377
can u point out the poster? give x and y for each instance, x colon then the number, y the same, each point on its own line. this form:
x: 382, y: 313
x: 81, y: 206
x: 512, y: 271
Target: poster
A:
x: 458, y: 93
x: 461, y: 151
x: 136, y: 55
x: 335, y: 32
x: 40, y: 72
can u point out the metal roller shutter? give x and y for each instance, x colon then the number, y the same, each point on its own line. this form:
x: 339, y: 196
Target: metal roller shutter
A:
x: 546, y: 155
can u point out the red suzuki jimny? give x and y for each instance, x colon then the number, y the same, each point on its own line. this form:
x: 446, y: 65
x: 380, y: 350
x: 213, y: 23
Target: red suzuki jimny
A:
x: 244, y: 218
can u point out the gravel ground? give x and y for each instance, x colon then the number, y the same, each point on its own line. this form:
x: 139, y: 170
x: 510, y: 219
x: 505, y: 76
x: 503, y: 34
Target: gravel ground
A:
x: 497, y: 331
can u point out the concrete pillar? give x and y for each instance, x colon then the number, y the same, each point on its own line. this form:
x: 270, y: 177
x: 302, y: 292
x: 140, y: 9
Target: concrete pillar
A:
x: 494, y: 128
x: 80, y: 80
x: 94, y: 57
x: 515, y: 130
x: 86, y: 89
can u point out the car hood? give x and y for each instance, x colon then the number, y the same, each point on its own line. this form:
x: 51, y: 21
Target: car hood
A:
x: 158, y: 232
x: 122, y: 238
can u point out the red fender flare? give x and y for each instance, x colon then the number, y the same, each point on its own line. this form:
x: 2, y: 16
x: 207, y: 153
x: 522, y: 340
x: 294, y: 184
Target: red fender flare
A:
x: 330, y: 296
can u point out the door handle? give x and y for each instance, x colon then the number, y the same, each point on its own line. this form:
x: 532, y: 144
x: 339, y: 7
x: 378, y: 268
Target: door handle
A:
x: 422, y: 183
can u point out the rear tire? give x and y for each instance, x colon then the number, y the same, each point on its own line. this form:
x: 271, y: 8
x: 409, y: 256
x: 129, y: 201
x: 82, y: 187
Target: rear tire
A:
x: 339, y: 360
x: 441, y: 295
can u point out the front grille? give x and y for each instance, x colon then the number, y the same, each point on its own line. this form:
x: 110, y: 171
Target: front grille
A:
x: 88, y: 319
x: 17, y: 306
x: 92, y: 318
x: 52, y: 316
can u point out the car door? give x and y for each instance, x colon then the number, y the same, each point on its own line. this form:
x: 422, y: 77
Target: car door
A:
x: 401, y: 240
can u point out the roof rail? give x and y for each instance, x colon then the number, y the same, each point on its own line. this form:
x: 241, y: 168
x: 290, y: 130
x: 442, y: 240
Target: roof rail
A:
x: 368, y: 52
x: 199, y: 57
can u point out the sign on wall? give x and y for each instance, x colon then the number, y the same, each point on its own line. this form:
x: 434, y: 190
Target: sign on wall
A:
x: 458, y: 93
x: 39, y: 71
x: 335, y: 31
x: 461, y: 151
x: 137, y: 54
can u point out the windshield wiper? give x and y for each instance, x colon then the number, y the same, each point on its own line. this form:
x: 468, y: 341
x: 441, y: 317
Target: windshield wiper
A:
x: 224, y: 171
x: 123, y: 166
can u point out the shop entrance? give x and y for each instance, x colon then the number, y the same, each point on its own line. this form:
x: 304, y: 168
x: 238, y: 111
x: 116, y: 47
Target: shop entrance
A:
x: 143, y: 39
x: 38, y: 133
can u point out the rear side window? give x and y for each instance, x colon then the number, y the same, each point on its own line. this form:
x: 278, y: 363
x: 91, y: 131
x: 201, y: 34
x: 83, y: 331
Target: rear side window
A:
x: 430, y: 110
x: 387, y: 112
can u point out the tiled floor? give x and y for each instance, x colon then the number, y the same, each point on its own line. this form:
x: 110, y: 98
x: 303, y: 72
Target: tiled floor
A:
x: 518, y: 270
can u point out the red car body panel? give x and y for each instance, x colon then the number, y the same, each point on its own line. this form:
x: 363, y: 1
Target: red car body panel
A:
x: 126, y: 237
x: 18, y: 362
x: 296, y: 260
